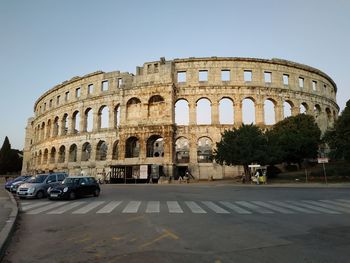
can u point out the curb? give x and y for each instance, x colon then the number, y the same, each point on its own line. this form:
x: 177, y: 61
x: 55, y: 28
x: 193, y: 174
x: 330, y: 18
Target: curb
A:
x: 5, y: 234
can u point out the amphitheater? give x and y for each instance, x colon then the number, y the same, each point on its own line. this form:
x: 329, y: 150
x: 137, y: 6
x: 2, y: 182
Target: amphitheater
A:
x: 169, y: 115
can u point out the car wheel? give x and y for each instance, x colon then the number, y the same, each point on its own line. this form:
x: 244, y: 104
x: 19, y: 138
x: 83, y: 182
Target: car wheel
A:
x: 72, y: 195
x: 96, y: 192
x: 40, y: 194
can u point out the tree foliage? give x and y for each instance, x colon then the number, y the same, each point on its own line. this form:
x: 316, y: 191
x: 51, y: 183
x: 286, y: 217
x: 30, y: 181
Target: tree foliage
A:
x: 10, y: 160
x: 242, y: 146
x: 294, y: 139
x: 338, y: 138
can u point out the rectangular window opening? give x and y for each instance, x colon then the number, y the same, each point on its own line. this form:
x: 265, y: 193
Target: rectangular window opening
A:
x: 105, y: 85
x: 285, y: 79
x: 225, y: 75
x: 77, y: 92
x: 90, y: 88
x: 66, y: 98
x: 156, y: 68
x: 203, y: 75
x: 314, y: 85
x: 301, y: 82
x: 181, y: 76
x: 268, y: 77
x: 248, y: 75
x: 58, y: 100
x: 120, y: 82
x: 50, y: 103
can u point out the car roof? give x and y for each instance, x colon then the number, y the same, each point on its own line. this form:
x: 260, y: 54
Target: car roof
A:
x: 78, y: 176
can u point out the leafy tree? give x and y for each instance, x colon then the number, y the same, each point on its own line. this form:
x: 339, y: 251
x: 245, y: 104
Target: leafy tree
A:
x: 9, y: 158
x: 242, y: 146
x: 295, y: 139
x: 338, y: 138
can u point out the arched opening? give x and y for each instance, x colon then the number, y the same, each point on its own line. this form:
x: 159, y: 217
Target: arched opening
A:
x: 62, y: 154
x: 329, y: 116
x: 53, y: 155
x: 65, y: 124
x: 269, y: 112
x: 73, y: 150
x: 115, y: 150
x: 88, y: 120
x: 317, y: 110
x: 86, y: 152
x: 117, y: 116
x: 203, y: 111
x: 46, y: 156
x: 156, y: 106
x: 101, y: 151
x: 39, y: 157
x: 204, y: 150
x: 182, y: 112
x: 248, y: 111
x: 304, y: 108
x: 76, y: 122
x: 155, y: 146
x: 133, y: 109
x: 132, y: 147
x: 103, y: 117
x: 182, y: 150
x: 48, y: 129
x: 287, y: 108
x: 226, y: 110
x: 42, y: 136
x: 55, y: 127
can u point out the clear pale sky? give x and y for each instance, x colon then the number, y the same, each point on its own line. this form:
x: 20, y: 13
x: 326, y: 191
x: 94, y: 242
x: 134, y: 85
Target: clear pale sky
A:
x: 45, y: 42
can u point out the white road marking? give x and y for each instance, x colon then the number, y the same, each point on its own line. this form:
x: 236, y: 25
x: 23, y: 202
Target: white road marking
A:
x: 333, y: 207
x: 88, y: 207
x: 293, y: 207
x: 65, y: 208
x: 337, y: 203
x: 174, y: 207
x: 253, y: 207
x: 153, y: 207
x: 132, y: 207
x: 320, y: 209
x: 273, y: 207
x: 235, y: 208
x: 109, y: 207
x: 217, y: 209
x: 45, y: 208
x: 28, y: 207
x: 196, y: 209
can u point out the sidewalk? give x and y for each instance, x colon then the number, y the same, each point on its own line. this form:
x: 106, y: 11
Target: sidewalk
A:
x: 8, y: 216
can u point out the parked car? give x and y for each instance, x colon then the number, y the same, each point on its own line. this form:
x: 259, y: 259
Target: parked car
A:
x: 17, y: 179
x: 15, y: 185
x: 36, y: 187
x: 73, y: 187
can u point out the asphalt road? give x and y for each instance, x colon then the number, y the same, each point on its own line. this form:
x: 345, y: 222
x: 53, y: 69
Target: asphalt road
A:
x: 187, y: 223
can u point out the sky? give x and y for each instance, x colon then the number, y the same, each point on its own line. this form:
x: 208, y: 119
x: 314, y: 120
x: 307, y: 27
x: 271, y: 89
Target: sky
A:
x: 45, y: 42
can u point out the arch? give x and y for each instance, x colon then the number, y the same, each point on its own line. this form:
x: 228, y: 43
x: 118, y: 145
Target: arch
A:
x: 182, y: 112
x: 103, y: 117
x: 226, y: 111
x: 317, y: 110
x: 76, y: 121
x: 269, y: 111
x: 117, y: 115
x: 329, y: 115
x: 248, y: 110
x: 45, y: 156
x: 65, y: 124
x: 204, y: 150
x: 86, y: 152
x: 39, y: 157
x: 42, y: 136
x: 304, y: 108
x: 156, y: 106
x: 132, y: 147
x: 62, y: 154
x: 53, y: 155
x: 203, y: 111
x: 115, y: 152
x: 48, y: 129
x: 56, y: 127
x: 287, y: 108
x: 133, y: 109
x: 88, y: 120
x: 155, y: 146
x: 182, y: 150
x: 73, y: 150
x: 101, y: 151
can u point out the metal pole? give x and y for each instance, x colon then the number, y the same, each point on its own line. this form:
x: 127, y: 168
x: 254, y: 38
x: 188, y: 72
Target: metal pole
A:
x: 324, y: 172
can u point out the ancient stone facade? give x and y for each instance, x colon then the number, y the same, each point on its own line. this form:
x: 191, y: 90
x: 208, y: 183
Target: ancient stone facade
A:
x: 91, y: 123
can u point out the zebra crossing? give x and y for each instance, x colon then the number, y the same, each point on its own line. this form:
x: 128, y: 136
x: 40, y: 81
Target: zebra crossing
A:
x: 81, y: 207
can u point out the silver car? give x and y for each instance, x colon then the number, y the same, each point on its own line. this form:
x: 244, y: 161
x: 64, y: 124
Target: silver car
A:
x: 36, y: 187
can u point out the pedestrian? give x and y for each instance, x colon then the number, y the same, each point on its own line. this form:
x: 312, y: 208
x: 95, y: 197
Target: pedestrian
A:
x: 257, y: 177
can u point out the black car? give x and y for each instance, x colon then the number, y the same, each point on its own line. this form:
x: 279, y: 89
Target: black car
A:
x: 73, y: 187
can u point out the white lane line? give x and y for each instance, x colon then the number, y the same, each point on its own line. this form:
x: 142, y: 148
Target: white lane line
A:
x: 217, y: 209
x: 253, y: 207
x: 273, y: 207
x: 174, y: 207
x: 25, y: 203
x: 28, y: 207
x: 319, y: 209
x: 65, y: 208
x: 337, y: 203
x: 132, y: 207
x: 196, y: 209
x: 45, y: 208
x: 109, y: 207
x: 88, y: 207
x: 344, y: 200
x: 293, y: 207
x: 153, y: 207
x: 235, y: 208
x: 332, y: 207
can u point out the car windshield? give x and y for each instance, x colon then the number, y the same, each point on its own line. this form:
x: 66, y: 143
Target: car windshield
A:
x: 71, y: 181
x: 38, y: 178
x: 20, y: 178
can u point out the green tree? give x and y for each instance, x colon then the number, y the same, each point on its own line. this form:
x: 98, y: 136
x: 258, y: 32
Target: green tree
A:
x: 10, y: 160
x: 295, y: 138
x: 242, y: 146
x: 338, y: 138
